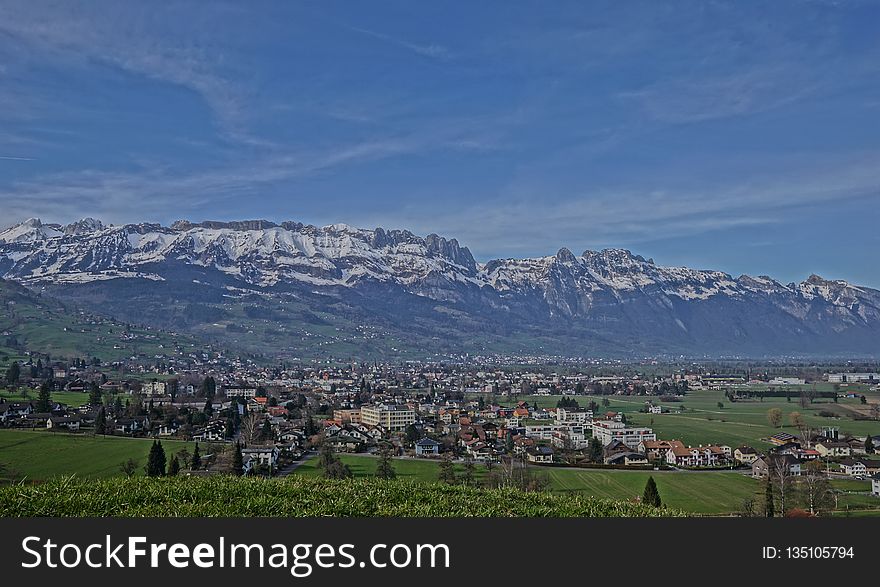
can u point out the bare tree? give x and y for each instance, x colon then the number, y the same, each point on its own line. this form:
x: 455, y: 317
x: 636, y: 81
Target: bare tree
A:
x: 249, y: 429
x: 781, y: 477
x: 815, y: 489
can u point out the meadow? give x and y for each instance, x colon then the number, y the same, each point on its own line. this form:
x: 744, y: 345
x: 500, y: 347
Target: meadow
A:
x: 702, y: 493
x: 73, y: 399
x: 40, y: 454
x: 734, y: 424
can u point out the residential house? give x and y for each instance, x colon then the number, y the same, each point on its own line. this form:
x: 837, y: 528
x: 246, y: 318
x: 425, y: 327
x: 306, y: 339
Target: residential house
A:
x: 265, y: 456
x: 14, y: 411
x: 656, y: 450
x: 833, y: 448
x: 71, y: 423
x: 745, y: 455
x: 427, y: 447
x: 131, y: 425
x: 540, y: 454
x: 342, y: 442
x: 627, y: 458
x: 875, y: 485
x: 781, y: 438
x: 696, y: 456
x: 859, y: 467
x: 762, y: 466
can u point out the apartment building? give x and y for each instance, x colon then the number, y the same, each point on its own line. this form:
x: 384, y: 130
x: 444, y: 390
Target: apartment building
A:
x: 391, y: 417
x: 607, y: 431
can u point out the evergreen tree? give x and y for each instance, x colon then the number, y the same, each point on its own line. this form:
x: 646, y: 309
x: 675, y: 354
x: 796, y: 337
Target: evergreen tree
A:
x: 95, y: 396
x: 595, y: 450
x: 309, y: 427
x: 385, y: 470
x: 13, y: 373
x: 651, y: 496
x: 769, y: 505
x: 447, y: 470
x: 237, y: 461
x: 156, y: 461
x: 174, y: 466
x: 412, y: 434
x: 44, y: 402
x: 869, y: 445
x: 101, y: 422
x: 196, y: 459
x: 266, y: 431
x: 209, y: 387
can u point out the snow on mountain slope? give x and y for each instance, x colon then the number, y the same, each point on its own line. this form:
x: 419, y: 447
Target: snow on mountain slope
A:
x: 265, y: 254
x: 258, y: 252
x: 598, y: 298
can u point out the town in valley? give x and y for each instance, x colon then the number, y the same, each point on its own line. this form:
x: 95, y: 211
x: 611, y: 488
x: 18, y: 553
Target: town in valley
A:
x: 717, y: 437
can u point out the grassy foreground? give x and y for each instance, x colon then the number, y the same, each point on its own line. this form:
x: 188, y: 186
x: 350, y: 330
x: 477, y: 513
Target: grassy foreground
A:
x: 41, y: 454
x: 224, y: 496
x: 713, y: 493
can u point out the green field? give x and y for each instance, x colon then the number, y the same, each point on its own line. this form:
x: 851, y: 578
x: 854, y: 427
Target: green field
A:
x: 41, y: 454
x: 703, y: 492
x: 73, y: 399
x: 420, y: 470
x: 38, y: 323
x: 742, y: 422
x: 697, y: 492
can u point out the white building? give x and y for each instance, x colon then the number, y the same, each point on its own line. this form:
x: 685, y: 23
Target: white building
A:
x: 391, y: 417
x: 854, y: 378
x: 580, y: 416
x: 240, y: 391
x: 542, y: 432
x: 152, y: 388
x: 607, y: 431
x: 573, y: 437
x: 787, y: 381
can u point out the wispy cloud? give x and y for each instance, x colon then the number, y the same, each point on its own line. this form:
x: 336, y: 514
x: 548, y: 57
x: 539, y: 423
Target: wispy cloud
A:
x: 626, y: 216
x: 431, y: 50
x: 74, y: 34
x: 12, y: 158
x: 156, y: 192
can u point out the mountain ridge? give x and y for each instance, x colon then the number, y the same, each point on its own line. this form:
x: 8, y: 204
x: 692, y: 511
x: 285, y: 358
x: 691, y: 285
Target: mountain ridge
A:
x: 587, y: 299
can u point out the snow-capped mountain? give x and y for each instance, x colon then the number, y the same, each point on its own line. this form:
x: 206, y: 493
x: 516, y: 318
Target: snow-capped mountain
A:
x: 257, y: 252
x: 601, y: 300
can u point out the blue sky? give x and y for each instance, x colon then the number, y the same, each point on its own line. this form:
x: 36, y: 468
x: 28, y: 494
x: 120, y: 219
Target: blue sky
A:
x: 741, y: 136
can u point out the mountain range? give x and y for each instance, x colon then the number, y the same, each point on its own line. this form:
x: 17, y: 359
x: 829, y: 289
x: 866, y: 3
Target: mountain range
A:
x: 292, y: 289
